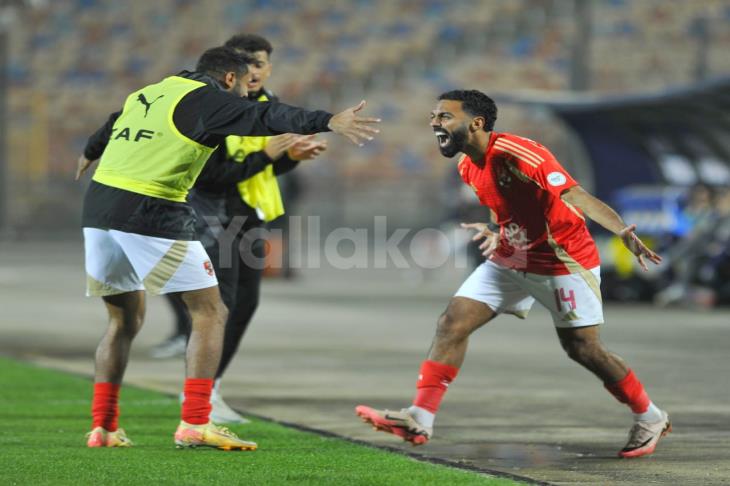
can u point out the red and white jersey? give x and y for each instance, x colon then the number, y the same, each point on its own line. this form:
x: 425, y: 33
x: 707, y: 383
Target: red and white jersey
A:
x: 521, y: 183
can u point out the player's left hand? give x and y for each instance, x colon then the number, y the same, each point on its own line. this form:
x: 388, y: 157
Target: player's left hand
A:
x: 350, y: 124
x: 82, y: 165
x: 637, y: 247
x: 307, y: 148
x: 491, y: 239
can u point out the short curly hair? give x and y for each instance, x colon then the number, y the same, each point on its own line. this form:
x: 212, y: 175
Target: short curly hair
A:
x: 475, y: 103
x: 216, y: 62
x: 250, y: 43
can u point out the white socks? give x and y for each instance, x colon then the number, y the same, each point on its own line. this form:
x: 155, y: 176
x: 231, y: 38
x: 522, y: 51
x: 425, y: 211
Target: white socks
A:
x: 216, y: 391
x: 652, y: 414
x: 422, y: 416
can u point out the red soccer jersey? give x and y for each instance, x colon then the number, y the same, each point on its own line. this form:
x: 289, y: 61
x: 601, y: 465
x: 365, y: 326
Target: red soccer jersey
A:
x: 521, y: 182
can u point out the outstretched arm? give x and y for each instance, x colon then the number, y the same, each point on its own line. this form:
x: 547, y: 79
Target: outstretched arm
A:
x: 604, y: 215
x: 283, y: 151
x: 221, y: 113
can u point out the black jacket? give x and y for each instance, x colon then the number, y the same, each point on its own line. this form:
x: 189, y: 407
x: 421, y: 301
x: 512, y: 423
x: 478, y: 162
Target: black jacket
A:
x: 221, y: 174
x: 207, y: 115
x: 216, y: 189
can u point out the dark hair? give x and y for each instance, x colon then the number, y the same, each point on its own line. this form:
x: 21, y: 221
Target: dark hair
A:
x: 218, y: 61
x: 250, y: 43
x: 475, y: 103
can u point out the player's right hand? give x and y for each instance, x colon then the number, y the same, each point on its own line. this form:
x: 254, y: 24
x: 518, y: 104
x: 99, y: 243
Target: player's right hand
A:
x: 82, y: 165
x: 356, y: 128
x: 277, y: 145
x: 307, y: 148
x: 491, y: 239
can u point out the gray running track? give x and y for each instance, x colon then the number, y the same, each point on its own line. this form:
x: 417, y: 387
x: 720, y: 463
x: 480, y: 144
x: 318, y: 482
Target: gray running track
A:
x: 331, y: 340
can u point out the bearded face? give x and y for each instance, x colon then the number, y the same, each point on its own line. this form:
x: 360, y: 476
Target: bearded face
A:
x: 450, y: 142
x: 450, y: 126
x: 239, y: 88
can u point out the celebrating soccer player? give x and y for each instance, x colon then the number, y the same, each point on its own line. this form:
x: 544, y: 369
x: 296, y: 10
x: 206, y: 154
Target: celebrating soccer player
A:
x: 138, y: 229
x: 538, y: 248
x: 239, y: 181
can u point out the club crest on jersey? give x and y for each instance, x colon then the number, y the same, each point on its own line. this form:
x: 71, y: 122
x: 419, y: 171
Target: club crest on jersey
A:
x: 556, y: 179
x: 208, y: 268
x: 516, y: 236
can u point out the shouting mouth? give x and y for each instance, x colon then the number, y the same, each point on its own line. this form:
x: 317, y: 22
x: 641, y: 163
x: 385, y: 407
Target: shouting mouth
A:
x: 443, y: 137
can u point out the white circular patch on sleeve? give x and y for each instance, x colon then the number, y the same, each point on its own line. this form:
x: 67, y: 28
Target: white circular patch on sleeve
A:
x: 556, y: 179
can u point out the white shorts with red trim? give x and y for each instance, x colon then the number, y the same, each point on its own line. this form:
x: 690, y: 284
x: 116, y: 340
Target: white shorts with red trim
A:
x: 574, y: 300
x: 118, y: 262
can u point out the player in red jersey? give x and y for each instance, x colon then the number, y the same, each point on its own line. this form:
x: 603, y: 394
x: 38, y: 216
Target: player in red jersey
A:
x: 538, y: 248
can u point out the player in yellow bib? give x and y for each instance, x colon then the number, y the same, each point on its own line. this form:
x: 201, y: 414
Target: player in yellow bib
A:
x: 139, y: 231
x: 237, y: 194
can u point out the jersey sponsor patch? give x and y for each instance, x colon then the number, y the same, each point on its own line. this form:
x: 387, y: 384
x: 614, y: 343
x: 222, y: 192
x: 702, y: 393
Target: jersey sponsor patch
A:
x: 556, y: 179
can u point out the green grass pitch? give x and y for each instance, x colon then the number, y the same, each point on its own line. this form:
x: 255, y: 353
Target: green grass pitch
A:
x: 44, y: 415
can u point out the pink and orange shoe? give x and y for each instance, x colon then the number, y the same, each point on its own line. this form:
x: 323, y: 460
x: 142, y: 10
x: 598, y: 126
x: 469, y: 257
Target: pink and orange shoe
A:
x: 210, y: 435
x: 400, y: 423
x: 100, y: 437
x: 644, y: 437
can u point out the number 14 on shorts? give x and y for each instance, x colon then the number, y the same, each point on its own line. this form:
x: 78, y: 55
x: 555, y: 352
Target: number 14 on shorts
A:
x: 561, y: 296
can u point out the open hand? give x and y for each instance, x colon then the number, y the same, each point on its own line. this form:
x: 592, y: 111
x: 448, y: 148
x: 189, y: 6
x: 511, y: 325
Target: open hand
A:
x: 307, y: 148
x: 491, y: 239
x: 277, y: 145
x: 356, y: 128
x: 637, y: 247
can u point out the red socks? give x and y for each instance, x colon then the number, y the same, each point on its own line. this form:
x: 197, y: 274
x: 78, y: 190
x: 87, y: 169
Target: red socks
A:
x: 105, y: 406
x: 196, y: 406
x: 433, y: 380
x: 630, y: 391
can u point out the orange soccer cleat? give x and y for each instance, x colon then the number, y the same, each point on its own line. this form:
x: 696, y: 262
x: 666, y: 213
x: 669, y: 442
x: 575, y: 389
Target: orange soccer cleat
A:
x: 400, y: 423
